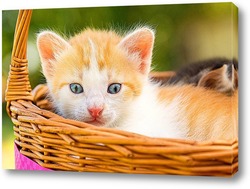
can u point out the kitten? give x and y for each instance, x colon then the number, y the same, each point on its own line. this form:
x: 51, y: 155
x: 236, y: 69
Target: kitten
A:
x: 102, y: 78
x: 218, y: 74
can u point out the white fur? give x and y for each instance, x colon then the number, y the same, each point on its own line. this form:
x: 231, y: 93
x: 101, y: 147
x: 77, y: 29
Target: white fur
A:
x: 148, y: 116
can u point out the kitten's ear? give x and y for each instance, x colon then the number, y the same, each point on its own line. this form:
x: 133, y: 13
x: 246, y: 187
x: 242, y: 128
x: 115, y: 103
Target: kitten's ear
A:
x: 224, y: 79
x: 50, y: 45
x: 139, y: 46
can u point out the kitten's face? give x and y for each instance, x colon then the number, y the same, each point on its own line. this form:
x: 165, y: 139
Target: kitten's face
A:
x: 79, y: 89
x: 96, y: 76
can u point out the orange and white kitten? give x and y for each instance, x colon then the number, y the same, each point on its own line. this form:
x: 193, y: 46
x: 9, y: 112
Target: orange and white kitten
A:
x: 102, y: 78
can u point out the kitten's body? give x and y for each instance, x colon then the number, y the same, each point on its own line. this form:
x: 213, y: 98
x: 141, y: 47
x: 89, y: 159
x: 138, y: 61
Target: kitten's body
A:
x: 185, y: 112
x: 111, y: 88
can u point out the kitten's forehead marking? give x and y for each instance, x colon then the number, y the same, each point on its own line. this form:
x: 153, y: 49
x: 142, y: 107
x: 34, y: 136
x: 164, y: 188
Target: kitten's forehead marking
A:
x: 93, y: 59
x: 93, y: 75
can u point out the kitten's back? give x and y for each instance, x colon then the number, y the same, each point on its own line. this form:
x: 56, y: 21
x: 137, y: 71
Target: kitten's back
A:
x: 210, y: 115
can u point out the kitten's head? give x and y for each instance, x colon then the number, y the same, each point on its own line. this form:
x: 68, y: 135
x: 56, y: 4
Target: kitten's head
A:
x: 96, y: 75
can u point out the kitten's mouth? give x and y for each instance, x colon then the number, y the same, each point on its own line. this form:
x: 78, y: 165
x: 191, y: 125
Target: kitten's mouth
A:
x: 95, y: 122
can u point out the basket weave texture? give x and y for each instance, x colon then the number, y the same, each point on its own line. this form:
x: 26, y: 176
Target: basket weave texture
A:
x: 62, y: 144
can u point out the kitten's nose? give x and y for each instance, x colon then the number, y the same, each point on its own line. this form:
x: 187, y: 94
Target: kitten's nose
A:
x: 95, y: 111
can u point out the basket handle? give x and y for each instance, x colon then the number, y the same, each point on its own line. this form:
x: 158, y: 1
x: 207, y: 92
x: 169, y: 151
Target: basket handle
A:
x: 18, y: 84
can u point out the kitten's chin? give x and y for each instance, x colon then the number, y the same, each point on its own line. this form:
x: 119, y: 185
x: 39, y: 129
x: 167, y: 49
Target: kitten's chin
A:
x: 96, y: 123
x: 101, y: 123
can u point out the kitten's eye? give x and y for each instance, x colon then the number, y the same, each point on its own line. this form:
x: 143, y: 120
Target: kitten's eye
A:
x: 76, y: 88
x: 114, y: 88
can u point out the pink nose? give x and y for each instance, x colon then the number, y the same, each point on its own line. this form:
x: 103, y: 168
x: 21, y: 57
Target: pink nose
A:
x: 95, y: 112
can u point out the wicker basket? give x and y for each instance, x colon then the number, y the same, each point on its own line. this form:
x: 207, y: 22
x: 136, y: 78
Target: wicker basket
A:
x: 62, y: 144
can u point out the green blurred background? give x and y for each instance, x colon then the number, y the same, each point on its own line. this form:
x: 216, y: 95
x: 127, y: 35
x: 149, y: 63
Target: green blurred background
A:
x: 184, y: 33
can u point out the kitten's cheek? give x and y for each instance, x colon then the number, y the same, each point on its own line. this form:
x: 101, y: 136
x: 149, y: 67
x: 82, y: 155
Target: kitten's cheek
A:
x: 109, y: 118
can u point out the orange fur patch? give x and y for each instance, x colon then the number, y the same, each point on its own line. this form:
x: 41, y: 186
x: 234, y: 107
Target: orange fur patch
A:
x: 207, y: 110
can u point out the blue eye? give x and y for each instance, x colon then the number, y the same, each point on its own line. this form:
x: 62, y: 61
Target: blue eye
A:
x: 76, y: 88
x: 114, y: 88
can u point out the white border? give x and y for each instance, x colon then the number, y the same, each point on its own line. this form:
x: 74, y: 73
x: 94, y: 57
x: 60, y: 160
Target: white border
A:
x: 18, y: 179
